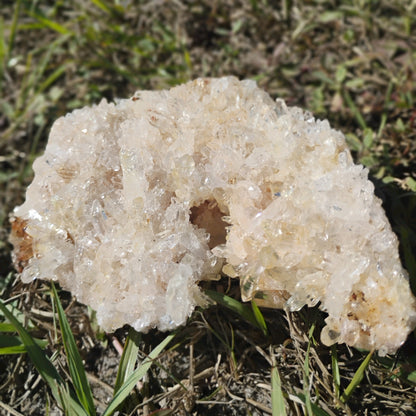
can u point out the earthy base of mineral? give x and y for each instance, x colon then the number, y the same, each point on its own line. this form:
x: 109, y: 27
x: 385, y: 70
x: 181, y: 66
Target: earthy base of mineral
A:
x: 134, y: 203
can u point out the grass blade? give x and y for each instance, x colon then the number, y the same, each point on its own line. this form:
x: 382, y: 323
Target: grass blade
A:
x: 10, y: 344
x: 5, y: 327
x: 259, y: 317
x: 335, y: 371
x: 51, y: 78
x: 128, y: 358
x: 13, y: 29
x: 101, y: 5
x: 70, y: 405
x: 315, y: 409
x: 131, y: 381
x: 76, y: 367
x: 358, y: 376
x: 42, y: 363
x: 61, y: 392
x: 412, y: 377
x: 239, y: 308
x: 354, y: 110
x: 278, y: 401
x: 45, y: 22
x: 2, y: 50
x: 306, y: 383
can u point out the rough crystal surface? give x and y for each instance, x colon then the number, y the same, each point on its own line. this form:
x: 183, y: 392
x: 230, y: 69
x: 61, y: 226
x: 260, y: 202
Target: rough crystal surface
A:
x: 134, y: 203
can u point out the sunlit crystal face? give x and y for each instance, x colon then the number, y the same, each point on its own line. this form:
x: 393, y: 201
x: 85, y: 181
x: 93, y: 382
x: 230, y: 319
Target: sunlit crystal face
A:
x: 134, y: 203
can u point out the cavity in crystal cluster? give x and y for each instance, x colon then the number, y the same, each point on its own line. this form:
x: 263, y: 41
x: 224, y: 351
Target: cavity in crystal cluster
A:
x: 135, y: 202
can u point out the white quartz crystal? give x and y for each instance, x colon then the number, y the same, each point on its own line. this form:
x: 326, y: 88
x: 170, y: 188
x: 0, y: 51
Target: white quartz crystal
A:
x: 134, y: 203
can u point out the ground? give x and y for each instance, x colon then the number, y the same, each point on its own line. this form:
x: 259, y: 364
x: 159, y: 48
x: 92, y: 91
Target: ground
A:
x: 352, y: 62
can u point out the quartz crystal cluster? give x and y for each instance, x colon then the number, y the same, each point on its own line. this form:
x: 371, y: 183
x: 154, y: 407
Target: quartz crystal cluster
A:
x: 135, y: 202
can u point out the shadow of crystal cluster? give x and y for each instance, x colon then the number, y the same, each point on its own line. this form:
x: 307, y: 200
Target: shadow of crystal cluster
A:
x: 135, y: 202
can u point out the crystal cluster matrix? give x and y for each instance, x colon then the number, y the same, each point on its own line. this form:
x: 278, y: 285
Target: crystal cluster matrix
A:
x: 135, y: 202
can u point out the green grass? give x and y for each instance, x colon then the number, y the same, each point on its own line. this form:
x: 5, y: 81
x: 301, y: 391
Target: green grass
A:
x: 75, y: 396
x: 278, y: 400
x: 350, y: 61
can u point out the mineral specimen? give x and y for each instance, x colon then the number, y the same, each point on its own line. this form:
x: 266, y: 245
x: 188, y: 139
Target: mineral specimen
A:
x: 134, y: 203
